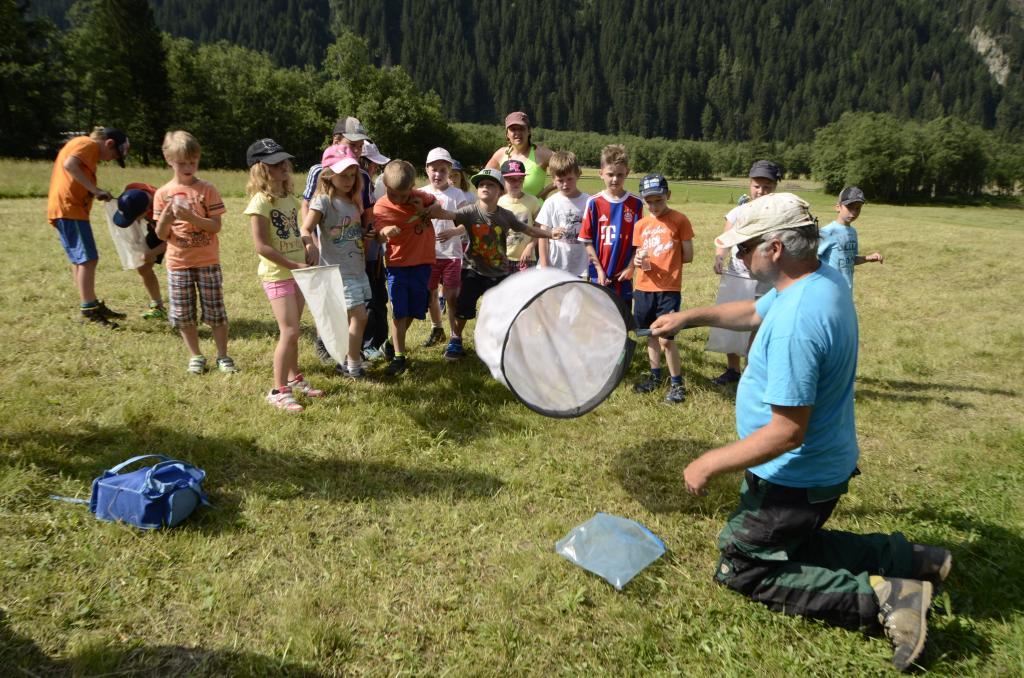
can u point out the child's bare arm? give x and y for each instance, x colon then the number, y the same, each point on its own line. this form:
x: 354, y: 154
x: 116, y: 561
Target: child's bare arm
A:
x: 687, y: 251
x: 435, y: 211
x: 542, y: 250
x: 602, y: 277
x: 456, y: 232
x: 535, y: 232
x: 722, y: 254
x: 208, y: 224
x: 260, y: 227
x: 74, y: 167
x: 163, y: 225
x: 310, y: 221
x: 527, y: 254
x: 874, y: 256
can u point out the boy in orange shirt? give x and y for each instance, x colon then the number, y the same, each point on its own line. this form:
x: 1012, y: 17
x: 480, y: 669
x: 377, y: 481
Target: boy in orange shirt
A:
x: 403, y: 219
x: 187, y: 212
x: 72, y: 189
x: 664, y: 242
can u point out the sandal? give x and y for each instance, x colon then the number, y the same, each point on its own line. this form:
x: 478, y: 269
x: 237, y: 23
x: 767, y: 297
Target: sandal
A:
x: 197, y: 364
x: 300, y: 384
x: 226, y: 365
x: 284, y: 400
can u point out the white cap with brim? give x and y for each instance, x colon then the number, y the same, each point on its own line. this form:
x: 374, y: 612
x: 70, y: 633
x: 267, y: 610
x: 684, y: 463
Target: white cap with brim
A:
x: 772, y: 212
x: 373, y: 154
x: 343, y: 164
x: 439, y: 154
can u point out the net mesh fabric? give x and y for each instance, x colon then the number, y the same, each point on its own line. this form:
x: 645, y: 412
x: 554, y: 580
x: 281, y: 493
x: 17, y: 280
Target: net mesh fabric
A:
x: 559, y: 343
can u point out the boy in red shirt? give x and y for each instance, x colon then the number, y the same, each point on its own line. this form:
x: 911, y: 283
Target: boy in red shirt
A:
x: 664, y: 242
x: 403, y: 219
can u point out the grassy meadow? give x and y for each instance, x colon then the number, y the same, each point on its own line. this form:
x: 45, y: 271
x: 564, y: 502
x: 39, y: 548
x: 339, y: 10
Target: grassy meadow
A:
x: 407, y: 526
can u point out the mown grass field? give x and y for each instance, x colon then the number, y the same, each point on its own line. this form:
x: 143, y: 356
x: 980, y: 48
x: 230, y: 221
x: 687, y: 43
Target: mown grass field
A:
x: 408, y: 526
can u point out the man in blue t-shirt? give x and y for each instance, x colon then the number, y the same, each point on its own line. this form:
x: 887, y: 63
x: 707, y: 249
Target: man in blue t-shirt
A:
x: 798, y: 444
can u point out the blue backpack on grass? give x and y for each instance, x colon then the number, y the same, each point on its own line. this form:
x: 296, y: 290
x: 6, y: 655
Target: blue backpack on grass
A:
x: 161, y: 495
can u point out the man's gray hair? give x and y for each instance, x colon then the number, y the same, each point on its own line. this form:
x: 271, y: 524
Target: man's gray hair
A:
x: 799, y: 243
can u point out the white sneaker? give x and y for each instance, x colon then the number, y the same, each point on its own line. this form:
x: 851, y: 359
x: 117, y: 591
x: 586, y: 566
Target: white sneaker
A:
x: 284, y: 400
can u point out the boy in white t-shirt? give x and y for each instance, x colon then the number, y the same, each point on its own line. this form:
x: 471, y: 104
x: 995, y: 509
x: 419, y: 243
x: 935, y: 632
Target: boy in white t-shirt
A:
x: 564, y: 209
x: 447, y: 269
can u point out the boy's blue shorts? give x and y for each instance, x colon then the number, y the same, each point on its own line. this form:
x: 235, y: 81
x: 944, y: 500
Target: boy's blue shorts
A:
x: 407, y: 287
x: 647, y: 306
x: 76, y: 237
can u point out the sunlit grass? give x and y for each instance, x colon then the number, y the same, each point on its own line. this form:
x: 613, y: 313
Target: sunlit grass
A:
x: 408, y: 526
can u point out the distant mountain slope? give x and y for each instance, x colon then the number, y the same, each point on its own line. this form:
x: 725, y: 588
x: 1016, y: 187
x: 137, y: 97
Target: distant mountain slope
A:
x: 702, y: 69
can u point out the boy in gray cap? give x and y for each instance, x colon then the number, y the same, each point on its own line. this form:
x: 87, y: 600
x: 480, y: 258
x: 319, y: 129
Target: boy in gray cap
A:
x: 838, y: 244
x: 737, y: 283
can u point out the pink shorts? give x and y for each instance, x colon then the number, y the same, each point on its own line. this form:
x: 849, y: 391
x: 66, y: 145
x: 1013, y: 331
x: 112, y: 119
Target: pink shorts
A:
x: 276, y: 289
x: 447, y: 272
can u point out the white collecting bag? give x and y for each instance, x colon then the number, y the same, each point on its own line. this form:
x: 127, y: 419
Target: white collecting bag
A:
x: 324, y: 291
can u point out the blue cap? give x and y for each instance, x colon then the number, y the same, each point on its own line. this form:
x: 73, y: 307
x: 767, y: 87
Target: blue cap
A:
x: 653, y: 184
x: 456, y: 165
x: 131, y: 204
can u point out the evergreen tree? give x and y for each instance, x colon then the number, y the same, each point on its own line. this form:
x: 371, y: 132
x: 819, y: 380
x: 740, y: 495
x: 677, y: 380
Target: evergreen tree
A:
x: 118, y: 66
x: 29, y: 84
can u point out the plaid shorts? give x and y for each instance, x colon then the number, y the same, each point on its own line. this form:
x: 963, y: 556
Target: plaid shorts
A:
x: 182, y: 285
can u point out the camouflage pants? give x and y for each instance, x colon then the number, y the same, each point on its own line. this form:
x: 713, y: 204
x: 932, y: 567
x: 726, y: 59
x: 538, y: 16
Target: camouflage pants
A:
x: 775, y: 551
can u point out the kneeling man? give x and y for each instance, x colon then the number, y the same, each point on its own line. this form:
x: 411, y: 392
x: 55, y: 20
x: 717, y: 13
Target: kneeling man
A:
x: 798, y: 444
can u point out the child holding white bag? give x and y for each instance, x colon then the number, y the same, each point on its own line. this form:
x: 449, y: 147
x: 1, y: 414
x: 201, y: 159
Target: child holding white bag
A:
x: 335, y: 212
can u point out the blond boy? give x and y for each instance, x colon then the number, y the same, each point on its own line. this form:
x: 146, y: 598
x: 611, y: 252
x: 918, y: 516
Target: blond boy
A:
x: 608, y: 222
x: 188, y: 214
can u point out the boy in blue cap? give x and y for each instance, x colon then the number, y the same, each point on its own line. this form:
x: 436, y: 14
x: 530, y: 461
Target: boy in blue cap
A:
x: 135, y: 202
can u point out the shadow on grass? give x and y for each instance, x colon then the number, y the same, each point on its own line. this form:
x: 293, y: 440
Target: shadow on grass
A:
x: 473, y: 412
x: 915, y: 386
x: 652, y: 473
x: 20, y: 655
x: 987, y: 580
x: 863, y: 394
x: 237, y: 466
x: 254, y: 328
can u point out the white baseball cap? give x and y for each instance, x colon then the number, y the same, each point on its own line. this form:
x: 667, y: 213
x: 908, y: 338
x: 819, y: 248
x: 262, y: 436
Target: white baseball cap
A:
x: 772, y: 212
x: 373, y: 154
x: 439, y: 154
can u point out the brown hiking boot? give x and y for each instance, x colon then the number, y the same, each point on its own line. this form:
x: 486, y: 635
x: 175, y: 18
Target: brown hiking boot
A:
x: 903, y: 611
x: 931, y: 563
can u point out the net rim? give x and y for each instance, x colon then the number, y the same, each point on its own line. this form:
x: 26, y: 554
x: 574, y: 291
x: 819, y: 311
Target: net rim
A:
x: 617, y: 374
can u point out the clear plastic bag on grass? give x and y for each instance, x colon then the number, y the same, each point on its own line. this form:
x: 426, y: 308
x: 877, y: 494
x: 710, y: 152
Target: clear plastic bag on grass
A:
x: 614, y: 548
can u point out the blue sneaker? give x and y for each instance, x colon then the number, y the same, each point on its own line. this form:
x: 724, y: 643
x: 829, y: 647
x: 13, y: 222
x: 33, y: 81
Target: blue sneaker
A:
x: 454, y: 351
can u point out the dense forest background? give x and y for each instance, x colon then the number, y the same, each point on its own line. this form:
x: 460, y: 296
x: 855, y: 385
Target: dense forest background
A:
x: 915, y: 99
x: 702, y: 69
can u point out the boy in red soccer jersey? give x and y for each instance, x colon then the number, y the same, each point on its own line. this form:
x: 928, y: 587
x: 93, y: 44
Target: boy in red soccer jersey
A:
x: 607, y: 229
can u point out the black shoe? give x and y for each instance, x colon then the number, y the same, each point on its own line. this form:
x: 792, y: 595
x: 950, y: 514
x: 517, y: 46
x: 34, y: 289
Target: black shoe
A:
x: 436, y: 337
x: 106, y: 312
x: 321, y: 352
x: 676, y: 393
x: 648, y: 384
x: 389, y: 350
x: 397, y: 366
x: 93, y: 315
x: 730, y: 376
x: 931, y: 563
x: 903, y: 606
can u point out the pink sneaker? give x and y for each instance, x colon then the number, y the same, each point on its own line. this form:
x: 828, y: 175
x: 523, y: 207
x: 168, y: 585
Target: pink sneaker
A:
x: 300, y: 385
x: 284, y: 400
